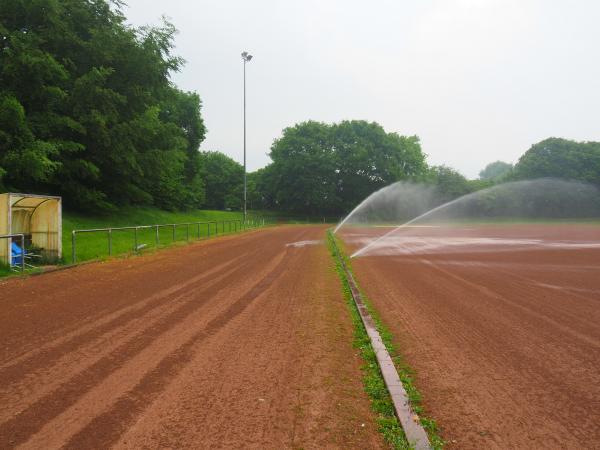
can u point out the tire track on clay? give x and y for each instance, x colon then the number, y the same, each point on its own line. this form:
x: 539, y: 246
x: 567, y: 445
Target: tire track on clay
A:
x: 106, y: 428
x: 104, y: 321
x: 496, y: 343
x: 21, y: 426
x: 21, y: 391
x: 517, y: 304
x: 185, y: 370
x: 103, y: 316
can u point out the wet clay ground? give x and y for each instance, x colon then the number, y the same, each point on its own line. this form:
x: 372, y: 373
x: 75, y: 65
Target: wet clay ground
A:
x: 503, y: 330
x: 238, y: 342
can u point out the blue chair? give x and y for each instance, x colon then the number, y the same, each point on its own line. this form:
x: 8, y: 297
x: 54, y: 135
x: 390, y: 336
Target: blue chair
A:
x: 19, y: 257
x: 16, y: 255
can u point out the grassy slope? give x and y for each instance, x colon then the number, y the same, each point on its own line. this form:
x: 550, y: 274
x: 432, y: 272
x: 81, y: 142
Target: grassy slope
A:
x: 95, y: 245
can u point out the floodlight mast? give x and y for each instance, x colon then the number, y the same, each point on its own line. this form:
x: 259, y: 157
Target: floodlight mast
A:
x: 246, y: 57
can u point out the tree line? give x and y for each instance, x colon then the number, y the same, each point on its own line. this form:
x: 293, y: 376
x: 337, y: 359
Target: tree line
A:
x: 328, y: 169
x: 88, y: 111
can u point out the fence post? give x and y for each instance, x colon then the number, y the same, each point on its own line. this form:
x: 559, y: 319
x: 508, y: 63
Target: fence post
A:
x: 187, y: 232
x: 73, y: 247
x: 157, y: 238
x: 173, y: 232
x: 109, y: 241
x: 135, y: 239
x: 22, y: 253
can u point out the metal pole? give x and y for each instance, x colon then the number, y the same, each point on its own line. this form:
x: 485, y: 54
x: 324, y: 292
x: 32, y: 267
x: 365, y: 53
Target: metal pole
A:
x: 73, y: 247
x: 208, y: 230
x: 135, y: 239
x: 245, y: 188
x: 22, y: 253
x: 173, y: 232
x: 187, y: 232
x: 157, y: 238
x: 109, y: 241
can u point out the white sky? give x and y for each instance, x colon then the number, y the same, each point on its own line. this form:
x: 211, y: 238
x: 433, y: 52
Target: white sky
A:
x: 476, y: 80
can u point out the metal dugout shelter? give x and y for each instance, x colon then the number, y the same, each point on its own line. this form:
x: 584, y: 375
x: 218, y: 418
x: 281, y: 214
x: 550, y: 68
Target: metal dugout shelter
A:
x: 38, y: 217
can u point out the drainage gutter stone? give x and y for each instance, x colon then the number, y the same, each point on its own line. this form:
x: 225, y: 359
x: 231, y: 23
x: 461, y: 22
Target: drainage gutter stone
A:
x: 414, y: 431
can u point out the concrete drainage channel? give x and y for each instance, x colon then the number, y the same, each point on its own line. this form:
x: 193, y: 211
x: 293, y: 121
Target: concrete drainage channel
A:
x: 414, y: 431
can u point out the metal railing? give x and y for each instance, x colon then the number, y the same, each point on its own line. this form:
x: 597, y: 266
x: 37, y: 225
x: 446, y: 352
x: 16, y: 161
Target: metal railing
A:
x: 225, y: 226
x: 11, y: 236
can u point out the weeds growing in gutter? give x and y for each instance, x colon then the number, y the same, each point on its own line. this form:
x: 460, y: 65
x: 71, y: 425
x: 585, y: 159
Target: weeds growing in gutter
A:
x: 375, y: 388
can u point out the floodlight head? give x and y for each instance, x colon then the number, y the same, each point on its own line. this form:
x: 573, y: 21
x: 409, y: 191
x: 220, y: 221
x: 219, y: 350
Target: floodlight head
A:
x: 244, y: 55
x: 248, y: 58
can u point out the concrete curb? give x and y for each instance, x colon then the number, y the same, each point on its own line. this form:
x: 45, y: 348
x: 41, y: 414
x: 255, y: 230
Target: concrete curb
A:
x: 414, y: 431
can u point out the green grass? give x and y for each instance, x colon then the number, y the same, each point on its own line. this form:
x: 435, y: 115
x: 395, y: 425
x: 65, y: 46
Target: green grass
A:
x: 5, y: 270
x: 95, y: 245
x: 373, y: 382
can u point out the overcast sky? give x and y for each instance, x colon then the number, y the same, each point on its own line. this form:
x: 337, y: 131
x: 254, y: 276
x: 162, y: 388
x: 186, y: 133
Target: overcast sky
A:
x: 476, y: 80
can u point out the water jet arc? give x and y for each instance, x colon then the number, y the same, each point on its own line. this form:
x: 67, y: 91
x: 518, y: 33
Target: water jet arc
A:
x: 404, y: 225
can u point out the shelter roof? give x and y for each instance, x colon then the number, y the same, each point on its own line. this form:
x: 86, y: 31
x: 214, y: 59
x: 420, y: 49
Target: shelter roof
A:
x: 29, y: 201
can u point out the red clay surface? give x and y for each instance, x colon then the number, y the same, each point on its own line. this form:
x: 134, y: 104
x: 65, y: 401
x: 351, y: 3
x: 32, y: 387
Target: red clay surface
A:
x: 236, y: 342
x: 504, y: 337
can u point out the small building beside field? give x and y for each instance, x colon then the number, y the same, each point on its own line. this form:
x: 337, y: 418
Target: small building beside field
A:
x: 38, y: 217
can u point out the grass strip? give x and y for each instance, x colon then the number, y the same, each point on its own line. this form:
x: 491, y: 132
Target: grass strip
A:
x: 373, y: 382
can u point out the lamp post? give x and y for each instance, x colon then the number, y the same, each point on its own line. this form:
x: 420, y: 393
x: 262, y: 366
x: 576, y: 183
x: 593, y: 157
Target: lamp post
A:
x: 246, y: 57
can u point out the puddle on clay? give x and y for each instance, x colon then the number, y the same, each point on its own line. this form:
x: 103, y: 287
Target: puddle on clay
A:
x: 303, y: 243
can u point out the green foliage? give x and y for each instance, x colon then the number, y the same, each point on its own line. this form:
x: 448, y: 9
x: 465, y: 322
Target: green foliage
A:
x: 94, y: 245
x: 561, y: 158
x: 87, y: 109
x: 449, y: 183
x: 224, y: 180
x: 326, y: 169
x: 495, y: 170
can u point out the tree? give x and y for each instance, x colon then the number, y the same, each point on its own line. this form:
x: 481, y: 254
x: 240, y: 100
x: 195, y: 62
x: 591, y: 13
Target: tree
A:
x: 224, y: 179
x: 367, y: 159
x: 260, y: 195
x: 87, y: 109
x: 449, y: 183
x: 319, y: 168
x: 561, y: 158
x: 495, y: 170
x: 303, y: 169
